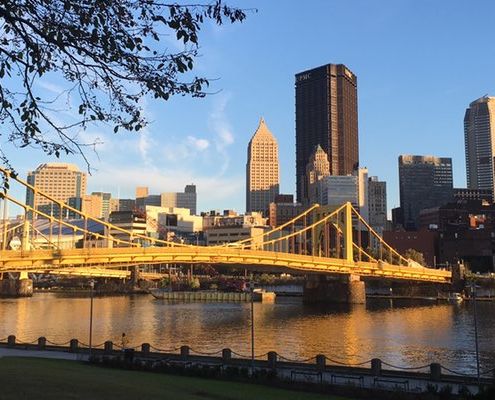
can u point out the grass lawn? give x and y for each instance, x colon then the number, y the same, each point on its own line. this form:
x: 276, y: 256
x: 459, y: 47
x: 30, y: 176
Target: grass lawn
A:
x: 36, y: 378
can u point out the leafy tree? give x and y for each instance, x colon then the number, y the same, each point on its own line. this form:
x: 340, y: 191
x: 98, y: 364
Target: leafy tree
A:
x: 110, y: 54
x: 415, y: 256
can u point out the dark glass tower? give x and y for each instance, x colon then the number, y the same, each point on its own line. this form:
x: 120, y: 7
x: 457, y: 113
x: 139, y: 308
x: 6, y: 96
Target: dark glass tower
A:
x: 424, y: 182
x: 326, y: 115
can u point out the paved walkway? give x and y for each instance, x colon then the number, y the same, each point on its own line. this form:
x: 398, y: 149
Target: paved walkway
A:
x: 62, y: 355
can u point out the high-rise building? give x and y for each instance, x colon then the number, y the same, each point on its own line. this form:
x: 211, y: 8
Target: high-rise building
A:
x: 362, y: 174
x: 126, y: 205
x: 317, y: 168
x: 141, y: 191
x: 64, y: 182
x: 262, y: 170
x: 377, y: 204
x: 92, y: 205
x: 463, y: 194
x: 132, y: 222
x: 424, y: 182
x: 326, y: 115
x: 479, y: 140
x: 283, y: 209
x: 335, y: 190
x: 186, y: 199
x: 106, y: 207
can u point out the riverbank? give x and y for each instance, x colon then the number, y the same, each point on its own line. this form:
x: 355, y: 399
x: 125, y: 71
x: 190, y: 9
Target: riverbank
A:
x: 370, y: 379
x: 50, y: 379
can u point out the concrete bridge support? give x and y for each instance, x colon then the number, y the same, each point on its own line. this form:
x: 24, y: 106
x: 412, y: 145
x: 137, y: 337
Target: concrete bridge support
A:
x: 16, y: 285
x: 135, y: 275
x: 458, y: 277
x: 348, y: 289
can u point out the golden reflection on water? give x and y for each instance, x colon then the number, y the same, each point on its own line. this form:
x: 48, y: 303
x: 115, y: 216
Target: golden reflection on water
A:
x: 414, y: 335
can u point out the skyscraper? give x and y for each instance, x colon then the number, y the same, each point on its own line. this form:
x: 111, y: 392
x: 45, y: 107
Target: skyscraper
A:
x: 262, y: 170
x: 479, y: 139
x: 64, y: 182
x: 326, y: 115
x: 377, y: 203
x: 424, y: 182
x: 317, y: 168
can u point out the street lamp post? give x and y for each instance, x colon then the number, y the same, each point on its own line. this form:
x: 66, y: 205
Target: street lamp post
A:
x: 92, y: 286
x: 473, y: 293
x: 251, y: 286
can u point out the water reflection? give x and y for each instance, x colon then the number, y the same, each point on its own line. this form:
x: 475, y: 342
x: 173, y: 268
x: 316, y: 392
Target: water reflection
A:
x: 402, y: 333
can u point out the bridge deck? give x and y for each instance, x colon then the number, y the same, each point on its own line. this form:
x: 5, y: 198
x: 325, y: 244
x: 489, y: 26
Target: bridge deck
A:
x: 37, y: 260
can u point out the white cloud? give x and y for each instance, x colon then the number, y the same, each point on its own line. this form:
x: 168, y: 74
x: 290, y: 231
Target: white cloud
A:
x: 50, y: 86
x: 145, y: 142
x: 167, y: 161
x: 198, y: 143
x: 188, y: 149
x: 219, y: 123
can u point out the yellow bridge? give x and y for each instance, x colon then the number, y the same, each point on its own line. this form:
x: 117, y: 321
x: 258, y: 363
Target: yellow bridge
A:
x: 321, y: 240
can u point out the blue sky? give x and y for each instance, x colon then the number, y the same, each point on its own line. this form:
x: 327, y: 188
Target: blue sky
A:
x: 419, y: 64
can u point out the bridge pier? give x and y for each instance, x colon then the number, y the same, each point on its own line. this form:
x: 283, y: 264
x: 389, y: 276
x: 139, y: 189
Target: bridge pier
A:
x: 135, y: 275
x: 16, y: 285
x: 348, y: 289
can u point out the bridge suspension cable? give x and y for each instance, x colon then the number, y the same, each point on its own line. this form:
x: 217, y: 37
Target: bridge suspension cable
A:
x: 63, y: 206
x: 276, y: 229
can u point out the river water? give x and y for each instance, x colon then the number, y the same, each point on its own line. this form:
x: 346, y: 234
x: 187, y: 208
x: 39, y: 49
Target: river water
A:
x: 400, y: 333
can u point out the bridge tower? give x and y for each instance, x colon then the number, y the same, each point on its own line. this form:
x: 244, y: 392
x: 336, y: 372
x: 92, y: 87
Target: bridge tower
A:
x: 347, y: 288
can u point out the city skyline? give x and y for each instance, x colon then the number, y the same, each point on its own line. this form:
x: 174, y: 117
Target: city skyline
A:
x: 151, y: 221
x: 397, y: 91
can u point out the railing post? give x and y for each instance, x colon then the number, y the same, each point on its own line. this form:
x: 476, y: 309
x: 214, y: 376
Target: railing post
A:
x: 376, y: 367
x: 73, y: 346
x: 11, y: 341
x: 108, y: 347
x: 145, y: 349
x: 321, y: 361
x: 41, y: 343
x: 226, y: 356
x: 435, y: 372
x: 272, y: 359
x: 184, y: 352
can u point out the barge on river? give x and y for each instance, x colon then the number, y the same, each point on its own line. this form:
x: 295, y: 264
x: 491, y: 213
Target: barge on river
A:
x: 212, y: 295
